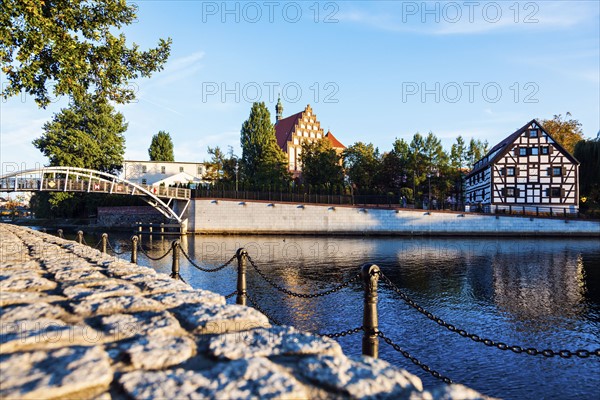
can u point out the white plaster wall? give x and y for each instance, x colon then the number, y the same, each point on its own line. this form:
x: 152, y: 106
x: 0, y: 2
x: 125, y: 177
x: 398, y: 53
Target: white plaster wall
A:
x: 228, y: 216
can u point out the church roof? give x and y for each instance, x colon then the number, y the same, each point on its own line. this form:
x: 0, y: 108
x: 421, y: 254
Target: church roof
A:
x: 284, y: 128
x: 335, y: 143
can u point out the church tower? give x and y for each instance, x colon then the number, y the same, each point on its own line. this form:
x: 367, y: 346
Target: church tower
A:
x: 278, y: 110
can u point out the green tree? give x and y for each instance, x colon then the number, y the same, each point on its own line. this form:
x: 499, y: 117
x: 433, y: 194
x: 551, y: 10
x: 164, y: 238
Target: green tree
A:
x: 477, y: 149
x: 362, y: 165
x: 71, y: 44
x: 567, y: 132
x: 221, y: 167
x: 458, y: 159
x: 435, y: 162
x: 263, y: 162
x: 161, y: 147
x: 588, y: 154
x: 417, y: 164
x: 395, y: 166
x: 87, y: 134
x: 321, y: 164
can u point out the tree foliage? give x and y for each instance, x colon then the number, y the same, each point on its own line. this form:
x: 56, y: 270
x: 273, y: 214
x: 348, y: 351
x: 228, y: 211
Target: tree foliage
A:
x: 71, y: 45
x: 477, y: 149
x: 321, y: 164
x: 221, y: 168
x: 567, y: 132
x: 87, y: 134
x: 161, y: 147
x: 263, y: 162
x: 362, y: 165
x: 587, y: 152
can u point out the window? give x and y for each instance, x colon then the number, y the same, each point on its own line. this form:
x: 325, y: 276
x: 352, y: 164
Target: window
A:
x: 535, y: 151
x: 163, y: 170
x: 144, y: 169
x: 180, y: 169
x: 200, y: 170
x: 510, y: 171
x: 554, y: 192
x: 545, y: 150
x: 144, y: 182
x: 556, y: 171
x: 533, y: 133
x: 510, y: 192
x: 522, y: 151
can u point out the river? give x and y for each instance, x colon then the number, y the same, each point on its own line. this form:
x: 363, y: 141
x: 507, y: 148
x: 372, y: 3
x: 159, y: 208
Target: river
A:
x: 540, y: 293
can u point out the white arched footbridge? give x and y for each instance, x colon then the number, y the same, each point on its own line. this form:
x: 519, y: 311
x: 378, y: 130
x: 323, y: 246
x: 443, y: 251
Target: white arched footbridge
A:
x: 72, y: 179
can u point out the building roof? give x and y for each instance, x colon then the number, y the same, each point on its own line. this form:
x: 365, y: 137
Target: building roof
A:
x: 500, y: 149
x: 335, y: 143
x: 181, y: 177
x: 284, y: 128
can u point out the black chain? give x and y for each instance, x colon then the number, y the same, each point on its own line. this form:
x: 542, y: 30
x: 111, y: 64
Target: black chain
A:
x: 259, y: 308
x: 153, y: 258
x: 302, y: 295
x: 414, y: 360
x: 217, y: 269
x: 343, y: 333
x: 114, y: 251
x: 230, y: 295
x: 488, y: 342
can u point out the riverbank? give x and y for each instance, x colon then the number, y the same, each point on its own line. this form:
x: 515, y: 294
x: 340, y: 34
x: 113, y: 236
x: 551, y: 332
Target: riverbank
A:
x: 217, y: 216
x: 81, y: 324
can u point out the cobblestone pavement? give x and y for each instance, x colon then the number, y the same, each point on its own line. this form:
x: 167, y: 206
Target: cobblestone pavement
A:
x: 76, y: 323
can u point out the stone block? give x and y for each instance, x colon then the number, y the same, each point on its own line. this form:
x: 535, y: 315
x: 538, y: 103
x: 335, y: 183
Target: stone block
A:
x: 218, y: 319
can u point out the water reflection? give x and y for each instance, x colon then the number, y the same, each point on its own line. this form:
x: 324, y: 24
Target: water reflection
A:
x: 534, y: 293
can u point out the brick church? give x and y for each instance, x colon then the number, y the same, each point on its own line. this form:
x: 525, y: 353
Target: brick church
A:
x: 296, y: 129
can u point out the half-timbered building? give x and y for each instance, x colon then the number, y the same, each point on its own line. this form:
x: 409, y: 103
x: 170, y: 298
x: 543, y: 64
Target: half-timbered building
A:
x: 296, y: 129
x: 526, y: 172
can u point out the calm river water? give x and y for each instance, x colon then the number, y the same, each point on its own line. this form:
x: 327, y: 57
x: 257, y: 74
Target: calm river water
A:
x: 542, y: 293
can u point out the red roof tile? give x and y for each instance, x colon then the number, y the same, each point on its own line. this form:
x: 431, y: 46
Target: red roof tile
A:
x: 334, y: 142
x: 284, y: 128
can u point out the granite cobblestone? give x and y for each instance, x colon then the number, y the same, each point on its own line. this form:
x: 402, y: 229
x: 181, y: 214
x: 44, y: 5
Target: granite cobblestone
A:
x: 76, y: 323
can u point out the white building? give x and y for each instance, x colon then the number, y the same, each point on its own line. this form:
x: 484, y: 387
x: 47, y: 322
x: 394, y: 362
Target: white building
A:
x: 168, y: 172
x: 527, y: 171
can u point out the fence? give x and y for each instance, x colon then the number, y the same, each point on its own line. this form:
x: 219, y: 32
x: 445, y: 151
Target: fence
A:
x: 369, y: 275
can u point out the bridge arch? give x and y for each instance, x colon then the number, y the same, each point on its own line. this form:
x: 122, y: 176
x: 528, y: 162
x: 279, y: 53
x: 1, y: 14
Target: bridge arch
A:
x: 73, y: 179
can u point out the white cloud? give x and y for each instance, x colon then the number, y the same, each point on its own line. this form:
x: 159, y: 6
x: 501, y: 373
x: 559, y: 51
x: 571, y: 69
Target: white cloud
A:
x: 456, y: 18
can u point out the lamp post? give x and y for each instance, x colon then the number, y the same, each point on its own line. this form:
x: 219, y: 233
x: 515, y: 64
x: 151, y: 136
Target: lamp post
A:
x: 236, y: 176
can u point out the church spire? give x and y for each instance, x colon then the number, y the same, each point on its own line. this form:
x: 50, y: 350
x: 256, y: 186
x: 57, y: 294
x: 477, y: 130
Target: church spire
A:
x: 278, y: 110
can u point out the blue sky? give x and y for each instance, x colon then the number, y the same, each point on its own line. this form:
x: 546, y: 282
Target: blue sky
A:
x: 372, y: 71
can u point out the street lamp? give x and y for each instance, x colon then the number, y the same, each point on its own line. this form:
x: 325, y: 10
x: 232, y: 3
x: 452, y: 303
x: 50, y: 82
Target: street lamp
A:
x: 236, y: 176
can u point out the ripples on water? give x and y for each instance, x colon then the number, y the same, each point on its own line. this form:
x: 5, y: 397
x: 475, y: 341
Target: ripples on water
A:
x: 542, y: 293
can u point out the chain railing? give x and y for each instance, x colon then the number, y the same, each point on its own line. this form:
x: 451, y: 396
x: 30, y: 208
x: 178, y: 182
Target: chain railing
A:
x: 414, y: 360
x: 488, y: 342
x: 369, y: 275
x: 301, y: 295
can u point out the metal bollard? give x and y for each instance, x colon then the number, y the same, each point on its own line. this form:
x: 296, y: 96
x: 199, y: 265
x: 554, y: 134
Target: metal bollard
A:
x: 134, y: 244
x: 80, y: 237
x: 175, y: 265
x: 241, y: 279
x: 104, y: 242
x: 370, y: 341
x: 60, y: 233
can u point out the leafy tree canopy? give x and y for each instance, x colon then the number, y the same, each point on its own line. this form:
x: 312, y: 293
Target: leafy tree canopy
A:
x: 321, y: 164
x: 565, y: 131
x: 161, y: 147
x: 87, y: 134
x: 362, y: 164
x: 262, y: 160
x: 70, y: 44
x: 588, y: 154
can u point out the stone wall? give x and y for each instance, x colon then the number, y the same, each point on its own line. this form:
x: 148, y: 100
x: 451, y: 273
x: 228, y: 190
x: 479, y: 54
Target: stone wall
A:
x: 76, y: 323
x: 126, y: 217
x: 253, y: 217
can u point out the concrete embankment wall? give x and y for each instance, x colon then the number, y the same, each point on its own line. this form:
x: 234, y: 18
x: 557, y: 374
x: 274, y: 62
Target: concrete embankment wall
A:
x: 76, y: 323
x: 253, y: 217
